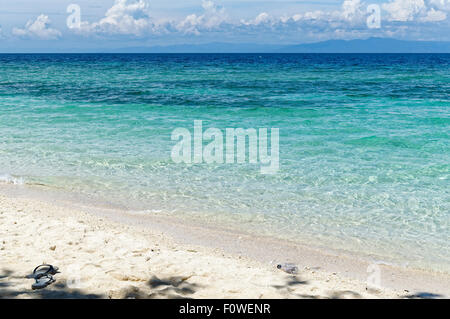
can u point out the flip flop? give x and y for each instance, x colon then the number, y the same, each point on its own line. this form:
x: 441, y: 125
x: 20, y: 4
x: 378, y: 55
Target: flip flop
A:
x: 43, y: 282
x: 43, y: 270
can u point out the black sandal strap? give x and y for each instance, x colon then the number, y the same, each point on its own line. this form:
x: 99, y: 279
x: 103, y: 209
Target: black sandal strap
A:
x: 50, y: 269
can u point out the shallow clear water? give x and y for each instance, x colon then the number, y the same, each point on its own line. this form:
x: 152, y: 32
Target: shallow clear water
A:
x: 364, y: 142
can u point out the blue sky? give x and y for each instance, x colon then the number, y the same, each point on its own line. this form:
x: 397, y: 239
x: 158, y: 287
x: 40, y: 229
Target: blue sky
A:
x: 42, y: 24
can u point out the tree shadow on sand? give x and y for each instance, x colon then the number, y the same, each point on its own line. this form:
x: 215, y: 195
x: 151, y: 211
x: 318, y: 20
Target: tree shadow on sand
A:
x: 174, y: 287
x: 344, y: 294
x: 424, y: 295
x: 55, y: 291
x: 292, y: 282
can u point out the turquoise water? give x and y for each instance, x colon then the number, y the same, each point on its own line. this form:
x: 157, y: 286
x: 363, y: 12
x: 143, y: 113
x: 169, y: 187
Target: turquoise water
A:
x: 364, y: 142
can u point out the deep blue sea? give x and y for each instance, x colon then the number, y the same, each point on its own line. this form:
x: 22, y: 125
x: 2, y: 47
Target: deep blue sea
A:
x: 364, y: 142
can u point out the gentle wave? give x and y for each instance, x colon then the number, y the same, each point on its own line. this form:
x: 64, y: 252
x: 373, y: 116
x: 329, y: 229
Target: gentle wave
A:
x: 10, y: 179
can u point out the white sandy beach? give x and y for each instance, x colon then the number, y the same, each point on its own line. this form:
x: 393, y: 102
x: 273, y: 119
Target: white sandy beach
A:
x: 101, y: 257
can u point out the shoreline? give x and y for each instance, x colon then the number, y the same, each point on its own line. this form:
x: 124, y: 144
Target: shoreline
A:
x: 323, y: 274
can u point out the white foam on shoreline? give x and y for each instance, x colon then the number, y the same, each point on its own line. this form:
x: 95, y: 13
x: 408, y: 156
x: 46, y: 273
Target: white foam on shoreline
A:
x: 11, y: 179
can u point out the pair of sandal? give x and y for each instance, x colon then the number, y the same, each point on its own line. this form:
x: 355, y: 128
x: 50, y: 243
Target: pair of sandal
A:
x: 43, y: 275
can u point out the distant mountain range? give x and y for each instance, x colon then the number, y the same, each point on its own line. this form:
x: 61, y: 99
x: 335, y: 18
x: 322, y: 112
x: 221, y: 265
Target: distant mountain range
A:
x: 215, y: 47
x: 371, y: 45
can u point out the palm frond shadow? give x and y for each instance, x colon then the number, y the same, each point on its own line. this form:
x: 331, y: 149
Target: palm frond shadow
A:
x: 55, y: 291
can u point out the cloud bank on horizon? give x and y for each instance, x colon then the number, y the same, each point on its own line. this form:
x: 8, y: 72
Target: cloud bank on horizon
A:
x: 131, y: 22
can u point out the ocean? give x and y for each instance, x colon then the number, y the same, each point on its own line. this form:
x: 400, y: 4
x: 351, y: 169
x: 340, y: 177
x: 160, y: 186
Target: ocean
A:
x: 364, y: 142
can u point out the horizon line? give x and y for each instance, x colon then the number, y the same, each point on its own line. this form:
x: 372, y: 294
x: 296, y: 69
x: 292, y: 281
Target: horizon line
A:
x: 4, y: 53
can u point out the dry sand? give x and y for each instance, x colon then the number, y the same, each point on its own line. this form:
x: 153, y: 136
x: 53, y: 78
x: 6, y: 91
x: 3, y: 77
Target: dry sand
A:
x: 101, y: 257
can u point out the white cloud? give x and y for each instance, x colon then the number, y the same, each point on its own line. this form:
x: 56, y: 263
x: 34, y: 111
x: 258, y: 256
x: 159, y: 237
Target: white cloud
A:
x: 351, y: 8
x: 261, y: 18
x: 132, y: 19
x: 404, y: 10
x: 39, y: 28
x: 212, y: 17
x: 434, y: 16
x: 351, y: 11
x: 314, y: 15
x: 417, y: 10
x: 443, y: 5
x: 352, y: 16
x: 123, y: 18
